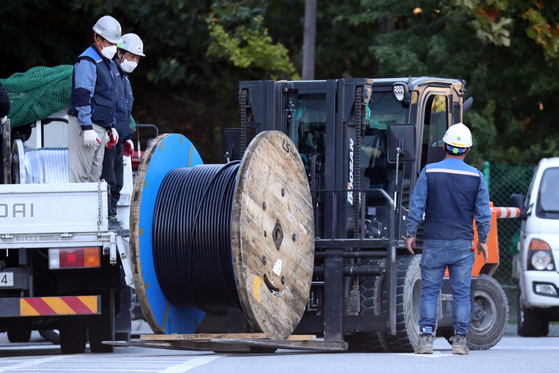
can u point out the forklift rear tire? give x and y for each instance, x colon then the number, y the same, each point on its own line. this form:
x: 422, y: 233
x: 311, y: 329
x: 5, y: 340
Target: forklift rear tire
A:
x: 370, y: 290
x: 102, y: 327
x: 490, y: 314
x: 408, y: 295
x: 72, y: 335
x: 531, y: 323
x: 19, y: 336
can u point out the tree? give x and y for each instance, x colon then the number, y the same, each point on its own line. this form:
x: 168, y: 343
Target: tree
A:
x: 514, y: 87
x: 506, y: 50
x: 309, y: 39
x: 188, y: 80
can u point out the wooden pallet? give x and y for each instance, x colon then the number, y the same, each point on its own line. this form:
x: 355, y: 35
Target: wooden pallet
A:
x: 238, y: 342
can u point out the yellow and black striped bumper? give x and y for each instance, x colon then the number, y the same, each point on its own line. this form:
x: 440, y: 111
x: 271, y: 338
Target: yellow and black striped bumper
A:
x: 50, y: 306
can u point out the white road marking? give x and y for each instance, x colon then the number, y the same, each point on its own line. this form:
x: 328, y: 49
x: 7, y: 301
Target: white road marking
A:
x: 525, y: 348
x: 29, y: 347
x: 33, y: 362
x: 434, y: 355
x: 190, y: 364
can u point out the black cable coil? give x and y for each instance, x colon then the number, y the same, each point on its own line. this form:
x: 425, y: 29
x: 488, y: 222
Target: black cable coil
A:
x: 192, y: 237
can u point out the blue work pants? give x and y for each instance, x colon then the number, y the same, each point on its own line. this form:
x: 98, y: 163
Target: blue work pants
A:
x: 459, y: 257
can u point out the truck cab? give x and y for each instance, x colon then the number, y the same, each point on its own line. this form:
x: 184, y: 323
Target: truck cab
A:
x: 538, y: 251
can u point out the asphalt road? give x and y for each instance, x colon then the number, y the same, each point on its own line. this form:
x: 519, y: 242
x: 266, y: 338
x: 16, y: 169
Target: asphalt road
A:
x: 512, y: 354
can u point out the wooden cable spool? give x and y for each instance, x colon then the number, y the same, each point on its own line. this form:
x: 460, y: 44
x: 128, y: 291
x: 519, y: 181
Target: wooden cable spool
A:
x: 272, y: 243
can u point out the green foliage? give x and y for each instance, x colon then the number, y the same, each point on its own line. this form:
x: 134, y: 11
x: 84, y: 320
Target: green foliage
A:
x: 488, y: 29
x: 545, y: 34
x: 514, y: 88
x: 507, y: 51
x: 250, y: 47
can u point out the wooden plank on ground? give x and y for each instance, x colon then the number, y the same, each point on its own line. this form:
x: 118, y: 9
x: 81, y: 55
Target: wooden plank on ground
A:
x: 309, y: 337
x: 288, y: 345
x: 201, y: 337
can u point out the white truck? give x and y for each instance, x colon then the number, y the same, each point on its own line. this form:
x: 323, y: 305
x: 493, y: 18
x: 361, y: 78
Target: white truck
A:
x: 535, y: 265
x: 60, y: 267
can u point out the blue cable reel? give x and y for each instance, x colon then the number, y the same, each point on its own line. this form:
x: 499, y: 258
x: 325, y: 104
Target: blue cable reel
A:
x: 272, y: 235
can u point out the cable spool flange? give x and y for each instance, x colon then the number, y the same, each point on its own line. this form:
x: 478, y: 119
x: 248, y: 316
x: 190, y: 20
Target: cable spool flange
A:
x: 165, y: 153
x: 272, y: 229
x: 273, y: 235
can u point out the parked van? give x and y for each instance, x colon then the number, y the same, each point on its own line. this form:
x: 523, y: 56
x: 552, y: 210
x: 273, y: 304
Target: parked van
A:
x: 535, y: 265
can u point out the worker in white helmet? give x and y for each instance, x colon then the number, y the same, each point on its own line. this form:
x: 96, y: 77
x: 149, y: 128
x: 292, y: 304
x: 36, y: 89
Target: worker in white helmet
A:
x: 451, y: 194
x: 127, y: 58
x: 91, y: 116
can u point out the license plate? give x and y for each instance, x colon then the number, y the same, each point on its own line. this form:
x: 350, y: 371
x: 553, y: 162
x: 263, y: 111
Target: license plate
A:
x: 6, y: 279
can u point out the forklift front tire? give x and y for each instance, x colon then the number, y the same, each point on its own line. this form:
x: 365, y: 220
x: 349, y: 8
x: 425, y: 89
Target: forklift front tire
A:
x: 490, y: 314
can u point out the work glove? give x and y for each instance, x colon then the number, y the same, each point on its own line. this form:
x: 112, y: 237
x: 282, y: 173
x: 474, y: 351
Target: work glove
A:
x: 115, y: 134
x: 128, y: 148
x: 3, y: 119
x: 90, y: 137
x: 113, y: 138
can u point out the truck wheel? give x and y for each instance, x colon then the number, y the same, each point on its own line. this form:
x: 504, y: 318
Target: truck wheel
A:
x: 102, y: 327
x: 370, y: 289
x: 408, y: 295
x: 531, y: 323
x: 16, y: 336
x: 72, y: 335
x: 490, y: 314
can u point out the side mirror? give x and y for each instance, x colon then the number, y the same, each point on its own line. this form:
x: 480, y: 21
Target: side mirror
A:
x: 467, y: 105
x: 517, y: 200
x: 401, y: 143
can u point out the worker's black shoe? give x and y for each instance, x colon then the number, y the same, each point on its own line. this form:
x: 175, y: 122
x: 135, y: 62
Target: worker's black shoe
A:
x: 115, y: 225
x: 425, y: 345
x: 459, y: 345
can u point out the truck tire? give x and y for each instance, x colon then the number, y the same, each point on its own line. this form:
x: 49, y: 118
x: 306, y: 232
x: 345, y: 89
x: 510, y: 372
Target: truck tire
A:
x: 490, y: 314
x: 370, y: 293
x: 408, y: 295
x: 102, y: 327
x: 19, y: 336
x: 72, y: 334
x: 531, y: 323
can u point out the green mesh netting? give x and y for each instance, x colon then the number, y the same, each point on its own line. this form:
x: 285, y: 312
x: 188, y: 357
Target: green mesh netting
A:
x: 38, y: 93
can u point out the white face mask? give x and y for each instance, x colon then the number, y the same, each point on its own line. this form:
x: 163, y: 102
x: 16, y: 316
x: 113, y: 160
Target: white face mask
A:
x: 128, y: 66
x: 109, y: 52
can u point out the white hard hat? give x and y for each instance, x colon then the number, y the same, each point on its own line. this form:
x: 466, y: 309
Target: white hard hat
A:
x: 133, y: 44
x: 108, y: 28
x: 458, y: 136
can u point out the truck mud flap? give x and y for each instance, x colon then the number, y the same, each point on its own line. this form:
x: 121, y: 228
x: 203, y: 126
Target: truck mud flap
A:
x: 50, y: 306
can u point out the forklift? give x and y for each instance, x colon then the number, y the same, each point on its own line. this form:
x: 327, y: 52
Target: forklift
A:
x: 363, y: 143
